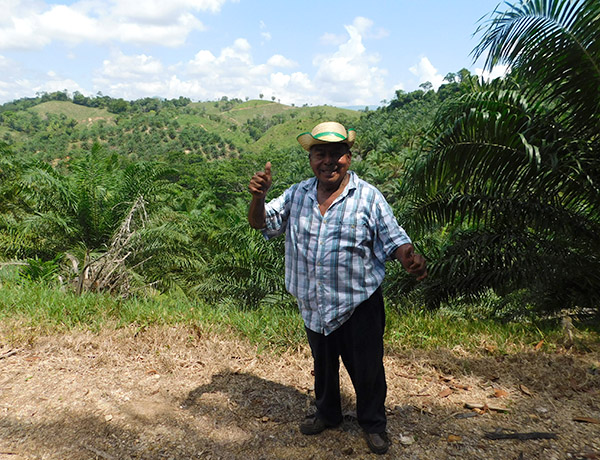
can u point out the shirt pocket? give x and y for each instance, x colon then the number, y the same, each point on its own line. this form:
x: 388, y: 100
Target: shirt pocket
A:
x: 353, y: 233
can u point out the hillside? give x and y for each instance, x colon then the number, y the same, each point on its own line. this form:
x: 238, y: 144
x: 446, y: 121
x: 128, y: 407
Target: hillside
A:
x: 56, y: 128
x: 83, y: 115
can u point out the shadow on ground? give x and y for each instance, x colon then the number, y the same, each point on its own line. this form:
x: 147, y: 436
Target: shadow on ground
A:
x: 235, y: 416
x: 72, y: 401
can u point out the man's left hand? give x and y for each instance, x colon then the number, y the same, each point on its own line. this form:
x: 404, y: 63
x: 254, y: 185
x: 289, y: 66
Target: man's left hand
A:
x: 413, y: 263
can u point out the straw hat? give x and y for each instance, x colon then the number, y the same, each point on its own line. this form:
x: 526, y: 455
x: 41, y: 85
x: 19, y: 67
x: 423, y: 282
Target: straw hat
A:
x: 327, y: 132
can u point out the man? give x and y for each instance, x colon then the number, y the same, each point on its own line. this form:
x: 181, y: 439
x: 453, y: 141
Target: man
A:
x: 339, y: 232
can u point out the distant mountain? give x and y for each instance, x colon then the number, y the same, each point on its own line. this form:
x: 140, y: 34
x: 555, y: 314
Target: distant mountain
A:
x: 359, y: 107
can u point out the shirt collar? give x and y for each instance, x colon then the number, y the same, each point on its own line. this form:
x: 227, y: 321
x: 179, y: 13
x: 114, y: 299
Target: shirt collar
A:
x: 311, y: 185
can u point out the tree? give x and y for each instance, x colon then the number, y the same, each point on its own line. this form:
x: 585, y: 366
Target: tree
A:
x: 87, y: 214
x: 450, y: 77
x: 80, y: 99
x: 241, y: 265
x: 118, y: 106
x: 511, y: 174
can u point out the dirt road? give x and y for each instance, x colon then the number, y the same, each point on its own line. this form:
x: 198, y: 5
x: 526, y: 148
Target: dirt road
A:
x: 172, y: 393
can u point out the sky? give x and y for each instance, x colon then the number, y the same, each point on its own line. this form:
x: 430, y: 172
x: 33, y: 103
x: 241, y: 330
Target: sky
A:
x: 340, y: 53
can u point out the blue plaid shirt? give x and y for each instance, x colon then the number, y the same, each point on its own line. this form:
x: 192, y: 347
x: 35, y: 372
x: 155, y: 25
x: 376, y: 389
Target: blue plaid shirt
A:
x: 336, y: 261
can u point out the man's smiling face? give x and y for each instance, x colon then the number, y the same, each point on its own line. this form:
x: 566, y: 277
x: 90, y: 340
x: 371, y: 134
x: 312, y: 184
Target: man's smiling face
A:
x: 330, y: 163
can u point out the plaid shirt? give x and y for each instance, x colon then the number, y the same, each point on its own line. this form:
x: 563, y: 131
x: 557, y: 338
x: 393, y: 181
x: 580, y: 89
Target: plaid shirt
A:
x: 336, y: 261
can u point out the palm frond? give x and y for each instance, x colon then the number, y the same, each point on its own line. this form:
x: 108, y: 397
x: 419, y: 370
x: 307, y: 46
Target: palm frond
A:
x: 554, y: 45
x: 511, y: 171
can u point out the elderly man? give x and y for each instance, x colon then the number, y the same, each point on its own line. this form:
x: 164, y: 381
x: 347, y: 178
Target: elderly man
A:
x: 339, y: 232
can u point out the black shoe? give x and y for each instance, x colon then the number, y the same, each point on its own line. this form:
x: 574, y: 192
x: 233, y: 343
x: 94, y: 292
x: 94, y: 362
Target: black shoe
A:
x: 379, y: 443
x: 313, y: 425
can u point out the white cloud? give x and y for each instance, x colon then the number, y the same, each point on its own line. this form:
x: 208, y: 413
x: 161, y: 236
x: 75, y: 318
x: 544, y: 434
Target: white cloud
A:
x: 498, y: 71
x: 265, y: 34
x: 350, y: 75
x: 238, y: 52
x: 332, y: 39
x: 278, y: 60
x: 347, y: 74
x: 21, y: 34
x: 397, y: 87
x: 34, y: 25
x: 231, y: 72
x: 58, y: 84
x: 302, y: 81
x: 160, y: 11
x: 202, y: 63
x: 13, y: 84
x: 426, y: 72
x: 131, y: 67
x: 171, y: 35
x: 280, y: 80
x: 364, y: 26
x: 67, y: 24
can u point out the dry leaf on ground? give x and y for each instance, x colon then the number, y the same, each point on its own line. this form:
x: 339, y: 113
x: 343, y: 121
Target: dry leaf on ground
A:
x: 586, y: 420
x: 525, y: 390
x: 445, y: 393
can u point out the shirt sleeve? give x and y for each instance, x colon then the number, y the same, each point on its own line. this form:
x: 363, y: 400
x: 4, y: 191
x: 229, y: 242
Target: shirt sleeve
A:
x: 389, y: 235
x: 277, y: 212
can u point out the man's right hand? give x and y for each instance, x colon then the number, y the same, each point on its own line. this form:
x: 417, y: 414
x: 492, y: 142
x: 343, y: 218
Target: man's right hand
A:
x: 261, y: 182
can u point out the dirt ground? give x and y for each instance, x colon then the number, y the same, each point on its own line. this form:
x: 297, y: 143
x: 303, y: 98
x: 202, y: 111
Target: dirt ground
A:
x: 175, y: 393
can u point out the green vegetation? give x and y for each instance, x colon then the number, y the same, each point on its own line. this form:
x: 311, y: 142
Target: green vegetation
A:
x: 36, y: 308
x: 81, y: 114
x: 509, y: 177
x: 143, y: 203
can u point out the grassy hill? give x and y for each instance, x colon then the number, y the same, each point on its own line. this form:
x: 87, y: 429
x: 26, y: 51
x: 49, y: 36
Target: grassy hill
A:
x: 305, y: 118
x: 241, y: 112
x: 287, y: 121
x: 209, y: 129
x: 80, y: 113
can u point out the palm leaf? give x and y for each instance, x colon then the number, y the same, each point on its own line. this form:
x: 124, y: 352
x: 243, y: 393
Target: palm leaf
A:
x: 554, y: 45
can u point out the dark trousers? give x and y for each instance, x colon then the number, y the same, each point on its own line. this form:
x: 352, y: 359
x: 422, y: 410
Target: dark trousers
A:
x: 359, y: 342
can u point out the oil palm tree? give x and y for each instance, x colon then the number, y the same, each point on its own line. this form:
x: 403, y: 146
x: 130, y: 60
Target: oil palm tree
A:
x: 512, y: 170
x: 240, y: 264
x: 82, y: 216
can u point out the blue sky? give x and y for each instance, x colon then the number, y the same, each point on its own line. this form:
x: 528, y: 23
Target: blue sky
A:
x: 343, y: 53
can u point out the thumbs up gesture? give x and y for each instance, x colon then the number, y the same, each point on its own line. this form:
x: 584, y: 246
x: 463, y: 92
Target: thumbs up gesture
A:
x: 261, y: 182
